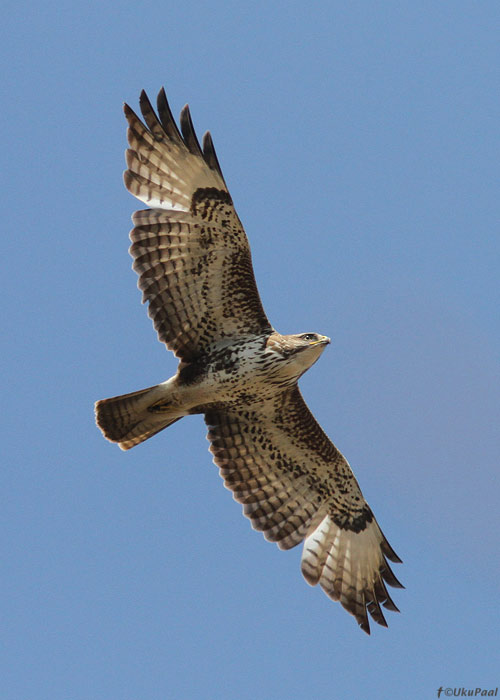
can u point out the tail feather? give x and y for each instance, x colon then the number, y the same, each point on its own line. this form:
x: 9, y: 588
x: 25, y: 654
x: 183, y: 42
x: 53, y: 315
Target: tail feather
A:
x: 129, y: 420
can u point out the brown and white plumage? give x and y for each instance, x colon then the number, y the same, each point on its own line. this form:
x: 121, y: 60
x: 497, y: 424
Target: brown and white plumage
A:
x: 294, y: 484
x: 195, y: 271
x: 190, y: 250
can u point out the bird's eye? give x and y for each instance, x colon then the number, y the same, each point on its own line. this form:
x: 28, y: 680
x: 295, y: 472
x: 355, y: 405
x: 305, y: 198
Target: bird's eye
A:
x: 309, y: 336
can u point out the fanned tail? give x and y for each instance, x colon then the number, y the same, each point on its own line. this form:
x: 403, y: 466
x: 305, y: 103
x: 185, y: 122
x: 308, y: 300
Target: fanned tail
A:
x: 132, y: 418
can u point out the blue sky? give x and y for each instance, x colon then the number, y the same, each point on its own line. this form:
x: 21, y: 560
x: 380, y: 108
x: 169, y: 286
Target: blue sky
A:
x: 360, y: 144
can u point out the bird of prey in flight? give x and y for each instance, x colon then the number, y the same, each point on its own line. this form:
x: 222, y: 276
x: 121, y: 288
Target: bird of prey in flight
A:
x: 195, y: 271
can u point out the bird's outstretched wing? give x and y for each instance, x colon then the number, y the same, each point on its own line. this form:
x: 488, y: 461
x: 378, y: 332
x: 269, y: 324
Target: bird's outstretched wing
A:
x: 190, y: 249
x: 295, y: 485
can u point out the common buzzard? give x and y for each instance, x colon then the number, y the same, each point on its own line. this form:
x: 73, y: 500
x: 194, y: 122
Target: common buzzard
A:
x: 195, y: 271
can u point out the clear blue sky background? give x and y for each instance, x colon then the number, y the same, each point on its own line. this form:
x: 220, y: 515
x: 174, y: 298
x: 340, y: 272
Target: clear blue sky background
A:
x: 360, y: 144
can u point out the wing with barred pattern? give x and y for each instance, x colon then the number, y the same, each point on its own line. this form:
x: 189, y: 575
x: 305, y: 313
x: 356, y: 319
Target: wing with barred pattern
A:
x: 190, y: 249
x: 296, y: 486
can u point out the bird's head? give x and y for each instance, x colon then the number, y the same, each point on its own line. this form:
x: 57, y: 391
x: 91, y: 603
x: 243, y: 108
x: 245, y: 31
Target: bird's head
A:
x: 299, y: 352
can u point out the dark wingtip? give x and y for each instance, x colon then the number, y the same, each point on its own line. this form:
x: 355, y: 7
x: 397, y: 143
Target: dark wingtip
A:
x: 166, y: 117
x: 188, y: 132
x: 163, y: 124
x: 365, y: 626
x: 144, y: 103
x: 209, y: 153
x: 388, y: 551
x: 373, y: 608
x: 389, y: 604
x: 128, y: 111
x: 149, y: 115
x: 388, y: 576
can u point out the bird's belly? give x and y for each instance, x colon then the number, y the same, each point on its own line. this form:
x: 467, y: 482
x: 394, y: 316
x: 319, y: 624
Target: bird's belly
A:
x: 234, y: 375
x: 241, y: 383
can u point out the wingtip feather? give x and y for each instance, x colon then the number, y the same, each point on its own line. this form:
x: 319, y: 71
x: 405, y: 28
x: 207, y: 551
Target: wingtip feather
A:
x: 209, y: 153
x: 188, y: 132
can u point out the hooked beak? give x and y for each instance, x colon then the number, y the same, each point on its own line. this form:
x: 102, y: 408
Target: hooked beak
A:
x: 324, y: 340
